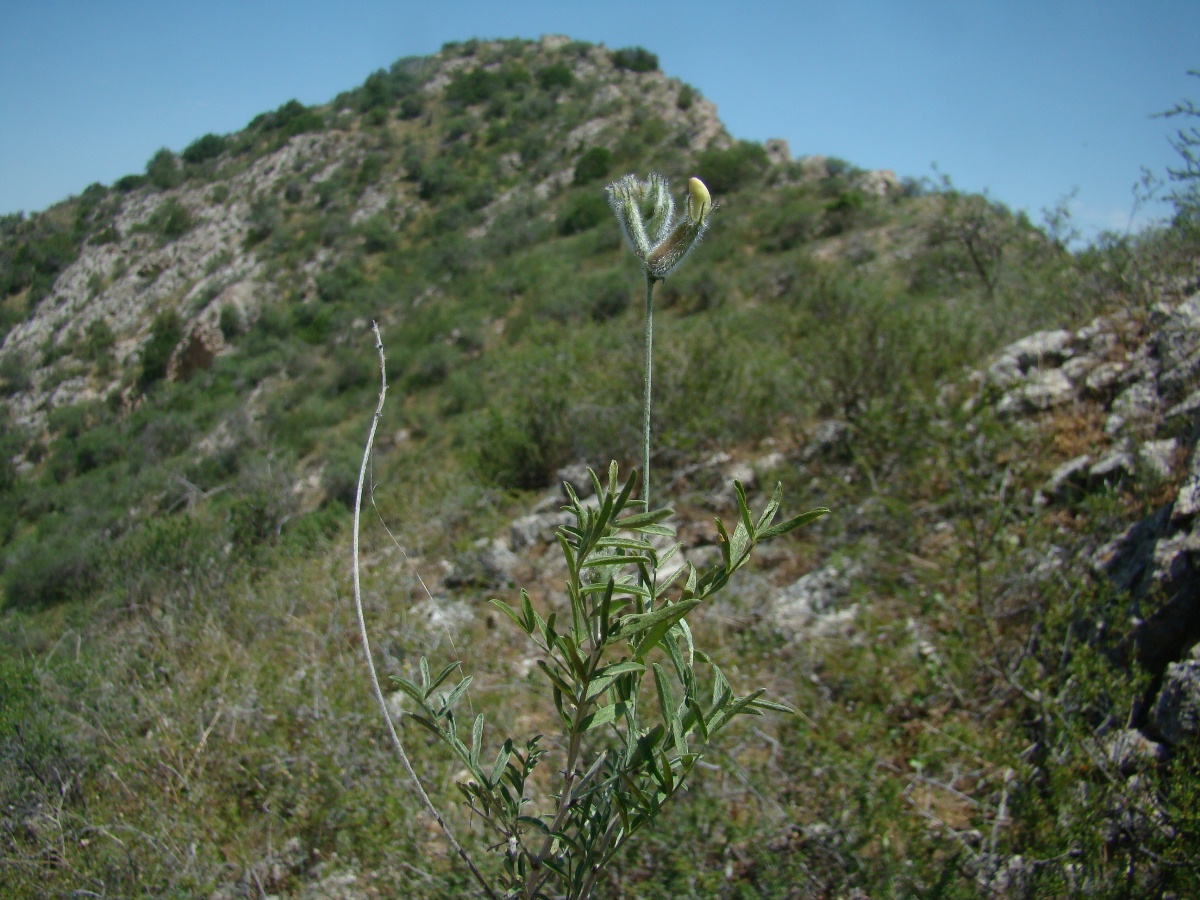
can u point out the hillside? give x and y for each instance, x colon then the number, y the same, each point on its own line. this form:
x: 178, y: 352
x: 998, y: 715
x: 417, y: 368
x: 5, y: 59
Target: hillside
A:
x: 987, y: 640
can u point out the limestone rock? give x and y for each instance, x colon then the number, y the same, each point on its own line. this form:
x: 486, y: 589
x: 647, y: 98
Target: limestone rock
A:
x: 1176, y: 712
x: 778, y: 152
x: 1111, y: 470
x: 537, y: 528
x: 1069, y: 478
x: 1105, y: 378
x: 812, y: 597
x: 577, y: 476
x: 830, y: 439
x: 1044, y: 349
x: 1047, y: 389
x: 1128, y: 750
x: 1157, y: 458
x: 1187, y: 503
x: 1136, y: 407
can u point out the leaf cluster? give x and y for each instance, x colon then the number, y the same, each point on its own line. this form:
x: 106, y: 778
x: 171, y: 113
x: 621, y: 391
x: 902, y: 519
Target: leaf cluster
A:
x: 625, y: 756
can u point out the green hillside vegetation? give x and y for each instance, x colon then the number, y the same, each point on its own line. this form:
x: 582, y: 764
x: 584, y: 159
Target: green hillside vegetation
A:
x: 183, y: 710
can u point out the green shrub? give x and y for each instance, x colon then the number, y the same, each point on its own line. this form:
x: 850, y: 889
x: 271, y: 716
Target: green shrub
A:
x: 634, y: 59
x: 583, y: 212
x: 165, y: 334
x: 204, y: 148
x: 127, y: 183
x: 555, y: 77
x: 162, y: 171
x: 47, y: 571
x: 727, y: 170
x: 593, y: 165
x: 687, y: 96
x: 172, y: 220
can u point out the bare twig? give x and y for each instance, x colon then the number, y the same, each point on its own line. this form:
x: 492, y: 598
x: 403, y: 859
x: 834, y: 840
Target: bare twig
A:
x: 362, y: 630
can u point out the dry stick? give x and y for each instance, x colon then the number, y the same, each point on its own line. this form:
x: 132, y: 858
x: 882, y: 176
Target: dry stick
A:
x: 366, y: 645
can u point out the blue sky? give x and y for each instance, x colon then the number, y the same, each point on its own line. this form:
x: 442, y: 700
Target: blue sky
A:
x: 1028, y: 100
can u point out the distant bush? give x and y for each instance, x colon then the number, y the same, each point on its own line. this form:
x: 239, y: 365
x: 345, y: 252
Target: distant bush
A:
x: 593, y: 165
x: 410, y: 107
x: 162, y: 170
x: 46, y: 572
x: 171, y: 220
x: 555, y: 77
x: 127, y: 183
x: 230, y: 322
x: 480, y: 85
x: 204, y: 148
x: 634, y: 59
x: 725, y: 171
x: 522, y: 448
x: 687, y: 96
x: 290, y: 119
x: 585, y: 211
x: 165, y: 334
x: 14, y: 374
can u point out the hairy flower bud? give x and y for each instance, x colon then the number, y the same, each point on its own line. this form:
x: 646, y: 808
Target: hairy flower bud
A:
x: 646, y: 214
x: 699, y: 200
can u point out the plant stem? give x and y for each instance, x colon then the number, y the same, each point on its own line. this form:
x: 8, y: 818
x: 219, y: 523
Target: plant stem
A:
x: 649, y: 365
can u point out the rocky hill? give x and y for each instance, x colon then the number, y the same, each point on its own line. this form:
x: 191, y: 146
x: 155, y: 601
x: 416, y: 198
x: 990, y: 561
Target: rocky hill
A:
x: 990, y: 640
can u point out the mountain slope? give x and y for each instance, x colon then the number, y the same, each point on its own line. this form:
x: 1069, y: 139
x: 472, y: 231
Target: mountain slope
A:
x: 188, y: 375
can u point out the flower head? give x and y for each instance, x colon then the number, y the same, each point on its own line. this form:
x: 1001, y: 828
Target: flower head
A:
x: 646, y: 214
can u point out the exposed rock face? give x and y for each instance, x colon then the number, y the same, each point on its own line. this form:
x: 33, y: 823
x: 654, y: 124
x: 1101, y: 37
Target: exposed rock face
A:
x: 1176, y: 712
x: 196, y: 352
x: 811, y: 604
x: 1145, y: 382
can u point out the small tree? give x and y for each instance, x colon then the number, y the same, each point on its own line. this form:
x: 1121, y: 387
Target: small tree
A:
x: 1185, y: 176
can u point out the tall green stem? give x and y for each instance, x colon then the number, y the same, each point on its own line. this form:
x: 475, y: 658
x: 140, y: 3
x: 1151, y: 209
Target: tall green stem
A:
x: 649, y: 354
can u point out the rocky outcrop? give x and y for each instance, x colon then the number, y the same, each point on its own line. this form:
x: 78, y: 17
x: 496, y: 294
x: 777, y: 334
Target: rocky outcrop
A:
x: 1145, y: 377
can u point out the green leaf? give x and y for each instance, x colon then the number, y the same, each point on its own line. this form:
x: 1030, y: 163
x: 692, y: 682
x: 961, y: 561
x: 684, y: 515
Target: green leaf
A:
x: 641, y: 520
x: 793, y: 523
x: 409, y: 688
x: 666, y: 702
x: 606, y: 676
x: 635, y: 544
x: 655, y: 624
x: 768, y: 514
x: 428, y: 725
x: 625, y: 491
x: 501, y: 761
x: 476, y: 739
x: 741, y: 705
x: 557, y: 680
x: 635, y: 623
x: 772, y: 706
x: 441, y: 676
x: 526, y: 612
x: 743, y: 506
x: 606, y: 610
x: 570, y: 650
x: 568, y: 553
x: 510, y: 612
x: 423, y: 665
x: 604, y: 715
x: 738, y: 545
x: 597, y: 561
x: 663, y: 530
x: 534, y: 823
x: 668, y: 777
x: 454, y: 695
